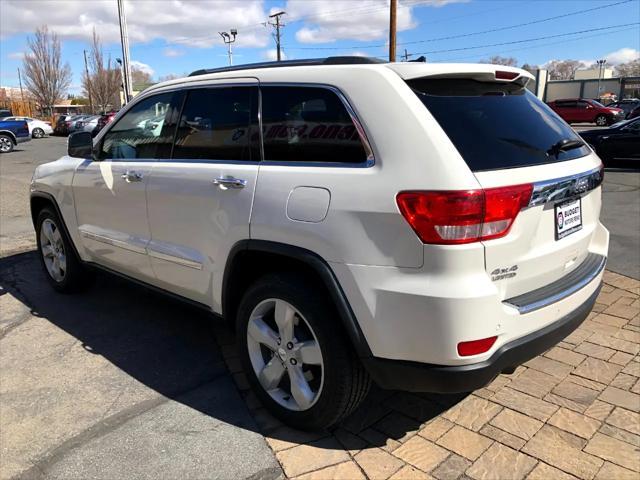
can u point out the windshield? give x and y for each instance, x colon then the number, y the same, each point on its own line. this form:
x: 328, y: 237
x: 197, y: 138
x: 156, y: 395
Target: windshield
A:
x: 497, y: 125
x: 624, y: 123
x: 597, y: 103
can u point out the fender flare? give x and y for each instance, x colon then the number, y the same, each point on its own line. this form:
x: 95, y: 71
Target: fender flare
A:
x: 320, y: 267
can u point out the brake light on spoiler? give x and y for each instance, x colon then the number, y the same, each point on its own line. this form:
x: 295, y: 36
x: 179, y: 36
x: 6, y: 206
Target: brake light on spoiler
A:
x: 463, y: 216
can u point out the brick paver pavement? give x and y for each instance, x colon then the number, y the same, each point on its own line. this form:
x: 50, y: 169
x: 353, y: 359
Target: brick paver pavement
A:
x: 573, y: 412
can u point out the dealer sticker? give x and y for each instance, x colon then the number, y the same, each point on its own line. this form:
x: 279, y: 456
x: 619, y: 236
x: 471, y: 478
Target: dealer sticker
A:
x: 568, y: 218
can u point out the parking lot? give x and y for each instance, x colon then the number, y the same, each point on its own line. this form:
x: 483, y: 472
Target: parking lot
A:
x: 120, y: 383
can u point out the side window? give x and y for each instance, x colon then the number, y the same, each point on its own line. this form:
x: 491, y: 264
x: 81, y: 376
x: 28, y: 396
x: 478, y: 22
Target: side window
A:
x: 308, y: 124
x: 140, y: 133
x: 583, y: 105
x: 219, y: 124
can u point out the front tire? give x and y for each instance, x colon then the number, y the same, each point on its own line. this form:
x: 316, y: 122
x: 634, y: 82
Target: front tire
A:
x: 6, y: 144
x: 297, y: 358
x: 57, y: 257
x: 602, y: 120
x: 37, y: 133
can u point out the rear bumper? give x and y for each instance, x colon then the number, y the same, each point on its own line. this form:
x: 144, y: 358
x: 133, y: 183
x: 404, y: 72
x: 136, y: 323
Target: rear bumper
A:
x: 422, y: 377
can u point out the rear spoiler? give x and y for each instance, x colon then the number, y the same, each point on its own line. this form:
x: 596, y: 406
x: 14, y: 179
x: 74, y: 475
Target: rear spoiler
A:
x: 475, y: 71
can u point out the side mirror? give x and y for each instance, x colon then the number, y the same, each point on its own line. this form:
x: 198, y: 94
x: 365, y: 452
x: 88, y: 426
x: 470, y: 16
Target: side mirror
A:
x: 80, y: 144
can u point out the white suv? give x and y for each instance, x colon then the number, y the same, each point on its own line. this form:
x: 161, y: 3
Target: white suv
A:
x: 423, y: 226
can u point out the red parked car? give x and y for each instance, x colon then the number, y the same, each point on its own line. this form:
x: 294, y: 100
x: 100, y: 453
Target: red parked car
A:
x: 578, y: 110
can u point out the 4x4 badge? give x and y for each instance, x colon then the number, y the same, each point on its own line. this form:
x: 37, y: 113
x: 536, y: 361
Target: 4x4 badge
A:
x: 502, y: 273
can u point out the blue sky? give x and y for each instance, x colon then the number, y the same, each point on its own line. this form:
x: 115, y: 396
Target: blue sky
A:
x: 177, y: 37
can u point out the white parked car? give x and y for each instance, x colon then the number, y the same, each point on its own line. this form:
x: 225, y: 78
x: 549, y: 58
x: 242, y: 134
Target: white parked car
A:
x: 422, y: 226
x: 37, y: 128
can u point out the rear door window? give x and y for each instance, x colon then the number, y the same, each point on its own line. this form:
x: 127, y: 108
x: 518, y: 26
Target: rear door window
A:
x: 496, y: 126
x: 308, y: 124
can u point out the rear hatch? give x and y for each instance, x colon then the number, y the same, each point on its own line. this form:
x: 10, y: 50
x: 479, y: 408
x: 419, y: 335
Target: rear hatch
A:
x: 509, y: 138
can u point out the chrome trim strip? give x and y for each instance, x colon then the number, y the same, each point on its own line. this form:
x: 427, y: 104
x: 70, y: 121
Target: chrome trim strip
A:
x: 113, y: 242
x: 173, y: 259
x: 583, y: 282
x: 565, y: 187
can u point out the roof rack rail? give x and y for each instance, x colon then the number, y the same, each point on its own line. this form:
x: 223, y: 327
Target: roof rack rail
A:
x: 352, y: 60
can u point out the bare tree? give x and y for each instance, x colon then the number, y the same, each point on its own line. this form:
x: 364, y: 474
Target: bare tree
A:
x: 170, y: 76
x: 629, y: 69
x: 140, y: 76
x: 104, y: 80
x: 563, y: 69
x: 45, y: 77
x: 498, y: 60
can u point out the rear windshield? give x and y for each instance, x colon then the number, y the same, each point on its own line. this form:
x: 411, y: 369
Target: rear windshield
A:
x: 496, y: 126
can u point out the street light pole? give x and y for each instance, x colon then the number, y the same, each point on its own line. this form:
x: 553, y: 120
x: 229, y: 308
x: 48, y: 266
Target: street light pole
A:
x: 600, y: 75
x: 228, y: 39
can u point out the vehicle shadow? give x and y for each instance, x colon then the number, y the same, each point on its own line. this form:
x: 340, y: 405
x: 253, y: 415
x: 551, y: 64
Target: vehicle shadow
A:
x: 172, y: 347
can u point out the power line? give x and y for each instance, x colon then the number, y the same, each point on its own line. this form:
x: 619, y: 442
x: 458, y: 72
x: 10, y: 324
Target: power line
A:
x: 528, y: 39
x: 464, y: 35
x: 501, y: 52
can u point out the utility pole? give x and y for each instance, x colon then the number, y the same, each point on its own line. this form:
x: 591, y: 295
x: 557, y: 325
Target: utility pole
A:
x: 126, y: 63
x: 600, y: 74
x: 229, y: 39
x: 277, y: 34
x: 86, y: 71
x: 20, y: 82
x: 393, y: 5
x: 406, y: 55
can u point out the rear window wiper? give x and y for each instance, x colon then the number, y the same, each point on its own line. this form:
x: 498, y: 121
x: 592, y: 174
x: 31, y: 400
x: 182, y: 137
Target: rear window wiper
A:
x: 563, y: 146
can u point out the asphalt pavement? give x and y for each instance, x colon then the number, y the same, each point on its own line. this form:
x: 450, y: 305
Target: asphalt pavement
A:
x: 115, y: 382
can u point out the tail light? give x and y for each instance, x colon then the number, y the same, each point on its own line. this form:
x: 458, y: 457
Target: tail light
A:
x: 68, y: 124
x: 465, y: 216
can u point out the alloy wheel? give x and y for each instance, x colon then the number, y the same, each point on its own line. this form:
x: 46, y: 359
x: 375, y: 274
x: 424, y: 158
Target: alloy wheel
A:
x: 38, y: 133
x: 285, y: 354
x: 601, y: 121
x: 52, y: 249
x: 5, y: 144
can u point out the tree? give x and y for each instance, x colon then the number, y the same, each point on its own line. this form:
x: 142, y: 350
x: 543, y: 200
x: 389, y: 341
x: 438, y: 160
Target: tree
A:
x: 140, y: 76
x: 563, y: 69
x: 498, y: 60
x: 530, y: 68
x: 103, y: 82
x: 170, y: 76
x: 629, y: 69
x: 45, y: 77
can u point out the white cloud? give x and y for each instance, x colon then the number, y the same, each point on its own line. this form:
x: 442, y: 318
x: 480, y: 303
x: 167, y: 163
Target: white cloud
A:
x: 16, y: 55
x: 348, y: 20
x: 271, y: 54
x: 180, y: 22
x: 143, y: 67
x: 173, y: 52
x: 623, y: 55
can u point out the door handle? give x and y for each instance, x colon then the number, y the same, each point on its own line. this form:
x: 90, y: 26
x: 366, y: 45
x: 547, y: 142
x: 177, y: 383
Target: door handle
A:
x: 132, y: 176
x: 226, y: 183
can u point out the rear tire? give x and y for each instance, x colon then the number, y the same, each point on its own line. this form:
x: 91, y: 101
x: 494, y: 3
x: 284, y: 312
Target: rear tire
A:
x: 60, y: 264
x: 37, y: 133
x: 6, y: 144
x: 302, y: 367
x: 602, y: 120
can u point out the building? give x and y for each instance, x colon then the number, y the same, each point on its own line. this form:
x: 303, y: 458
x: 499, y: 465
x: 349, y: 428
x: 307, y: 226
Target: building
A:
x: 592, y: 73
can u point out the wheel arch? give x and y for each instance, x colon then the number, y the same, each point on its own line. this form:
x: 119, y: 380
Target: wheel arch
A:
x: 40, y: 200
x: 250, y: 259
x: 11, y: 135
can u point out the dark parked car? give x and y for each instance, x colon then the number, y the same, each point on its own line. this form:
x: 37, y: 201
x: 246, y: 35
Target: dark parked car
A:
x: 61, y: 127
x: 574, y: 110
x: 13, y: 132
x: 5, y: 113
x: 618, y: 145
x: 103, y: 121
x: 627, y: 105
